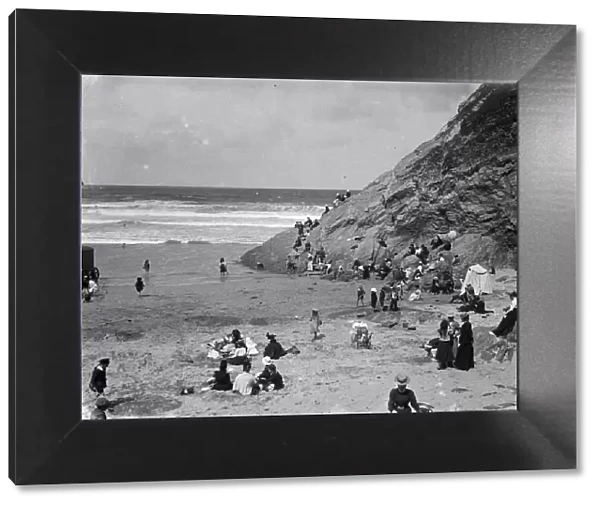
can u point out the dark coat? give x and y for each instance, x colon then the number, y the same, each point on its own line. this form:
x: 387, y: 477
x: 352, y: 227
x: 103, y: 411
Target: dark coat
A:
x: 465, y: 357
x: 98, y: 380
x: 274, y: 350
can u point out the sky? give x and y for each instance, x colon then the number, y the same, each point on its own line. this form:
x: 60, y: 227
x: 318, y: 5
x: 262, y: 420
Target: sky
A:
x: 252, y: 133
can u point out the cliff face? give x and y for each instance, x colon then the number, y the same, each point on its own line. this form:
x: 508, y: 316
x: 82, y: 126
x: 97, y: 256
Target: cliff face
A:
x: 464, y: 179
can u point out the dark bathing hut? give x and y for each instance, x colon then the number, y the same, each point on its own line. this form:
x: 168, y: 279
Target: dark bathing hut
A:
x: 87, y: 258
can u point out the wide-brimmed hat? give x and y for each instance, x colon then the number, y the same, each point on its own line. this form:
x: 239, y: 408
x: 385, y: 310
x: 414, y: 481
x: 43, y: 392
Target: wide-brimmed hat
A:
x: 450, y: 317
x: 402, y: 379
x: 271, y: 336
x: 104, y: 361
x: 373, y: 289
x: 464, y: 316
x: 267, y: 361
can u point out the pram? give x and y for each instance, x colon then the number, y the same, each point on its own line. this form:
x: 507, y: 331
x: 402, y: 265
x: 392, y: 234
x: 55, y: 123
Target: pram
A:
x: 361, y: 338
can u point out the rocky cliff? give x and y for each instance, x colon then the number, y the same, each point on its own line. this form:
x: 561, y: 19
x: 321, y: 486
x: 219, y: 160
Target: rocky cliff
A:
x: 464, y: 179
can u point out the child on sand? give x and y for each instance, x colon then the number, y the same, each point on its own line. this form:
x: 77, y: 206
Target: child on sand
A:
x: 360, y: 296
x: 139, y: 285
x: 315, y: 323
x: 223, y: 267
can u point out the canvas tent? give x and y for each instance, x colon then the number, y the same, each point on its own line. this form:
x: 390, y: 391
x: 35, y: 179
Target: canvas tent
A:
x: 480, y: 279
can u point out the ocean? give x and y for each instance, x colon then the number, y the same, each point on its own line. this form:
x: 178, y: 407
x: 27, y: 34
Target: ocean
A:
x: 162, y: 214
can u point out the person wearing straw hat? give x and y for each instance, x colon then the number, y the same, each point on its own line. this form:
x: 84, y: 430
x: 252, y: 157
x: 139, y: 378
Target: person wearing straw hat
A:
x: 465, y: 355
x: 270, y: 378
x: 401, y: 398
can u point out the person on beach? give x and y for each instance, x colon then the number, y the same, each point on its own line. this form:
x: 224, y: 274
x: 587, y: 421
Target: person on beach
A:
x: 507, y: 324
x: 274, y: 350
x: 315, y: 324
x: 146, y: 266
x: 95, y: 275
x: 326, y: 210
x: 453, y: 332
x: 401, y: 398
x: 101, y: 407
x: 139, y: 285
x: 373, y: 298
x: 85, y: 289
x: 221, y: 379
x: 348, y: 194
x: 223, y: 267
x: 245, y: 383
x: 382, y: 299
x: 270, y: 379
x: 98, y: 379
x: 394, y: 298
x: 435, y: 286
x: 465, y: 356
x: 360, y: 295
x: 416, y: 295
x: 444, y: 355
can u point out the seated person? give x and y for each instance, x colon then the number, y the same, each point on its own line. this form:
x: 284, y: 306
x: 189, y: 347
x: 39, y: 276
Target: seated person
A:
x: 447, y: 287
x: 274, y: 350
x: 401, y: 399
x: 221, y: 379
x: 360, y: 330
x: 416, y: 295
x: 507, y: 324
x: 245, y: 383
x: 435, y: 286
x: 270, y: 379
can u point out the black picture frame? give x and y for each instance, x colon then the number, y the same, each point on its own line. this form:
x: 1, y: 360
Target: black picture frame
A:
x: 49, y: 50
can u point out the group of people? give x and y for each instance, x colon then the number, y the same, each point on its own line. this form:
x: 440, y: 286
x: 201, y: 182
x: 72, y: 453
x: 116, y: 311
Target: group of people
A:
x: 89, y: 284
x: 454, y: 344
x: 394, y: 291
x: 247, y: 383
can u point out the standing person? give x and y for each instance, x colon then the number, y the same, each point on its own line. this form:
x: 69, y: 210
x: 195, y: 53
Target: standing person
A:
x: 465, y: 357
x: 245, y: 383
x: 453, y: 333
x: 394, y: 301
x: 373, y: 298
x: 139, y: 285
x: 98, y: 379
x: 223, y: 267
x: 444, y: 355
x: 146, y: 266
x: 360, y: 296
x: 401, y: 398
x: 315, y: 324
x: 382, y: 298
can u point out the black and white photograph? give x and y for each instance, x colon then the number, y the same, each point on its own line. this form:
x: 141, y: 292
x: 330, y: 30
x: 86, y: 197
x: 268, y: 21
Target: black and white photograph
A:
x: 289, y: 247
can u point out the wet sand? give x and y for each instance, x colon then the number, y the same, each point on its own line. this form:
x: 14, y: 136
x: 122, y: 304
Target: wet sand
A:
x: 157, y: 342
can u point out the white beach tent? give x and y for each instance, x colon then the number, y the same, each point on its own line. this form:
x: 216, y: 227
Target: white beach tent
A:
x: 480, y: 279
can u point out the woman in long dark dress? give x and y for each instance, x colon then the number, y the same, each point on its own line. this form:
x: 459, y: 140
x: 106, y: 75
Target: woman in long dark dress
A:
x: 444, y: 355
x: 221, y: 379
x: 465, y: 357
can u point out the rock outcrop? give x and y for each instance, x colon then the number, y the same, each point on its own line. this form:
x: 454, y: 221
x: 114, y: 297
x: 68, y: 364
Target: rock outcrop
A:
x: 464, y: 179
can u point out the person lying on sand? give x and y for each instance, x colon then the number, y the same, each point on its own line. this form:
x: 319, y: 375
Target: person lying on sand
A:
x: 245, y: 383
x: 401, y: 398
x: 270, y: 379
x: 221, y: 379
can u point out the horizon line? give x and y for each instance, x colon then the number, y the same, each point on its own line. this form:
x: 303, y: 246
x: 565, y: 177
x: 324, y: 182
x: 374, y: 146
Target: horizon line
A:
x: 208, y: 186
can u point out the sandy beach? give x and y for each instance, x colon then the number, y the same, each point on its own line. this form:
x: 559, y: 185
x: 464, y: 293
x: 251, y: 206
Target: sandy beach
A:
x: 157, y: 342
